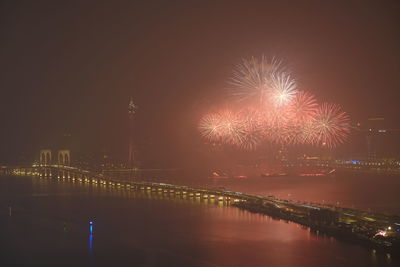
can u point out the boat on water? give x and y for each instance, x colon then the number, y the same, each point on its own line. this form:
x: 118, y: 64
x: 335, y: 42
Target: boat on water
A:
x: 320, y: 173
x: 312, y: 172
x: 324, y: 172
x: 218, y: 175
x: 273, y: 174
x: 304, y: 171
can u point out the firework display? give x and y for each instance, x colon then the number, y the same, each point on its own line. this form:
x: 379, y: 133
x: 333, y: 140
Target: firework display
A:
x: 273, y: 109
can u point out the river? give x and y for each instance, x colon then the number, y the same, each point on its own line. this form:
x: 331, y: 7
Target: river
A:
x: 49, y: 226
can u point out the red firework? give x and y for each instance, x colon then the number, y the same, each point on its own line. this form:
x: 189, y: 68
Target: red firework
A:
x: 276, y: 112
x: 303, y: 108
x: 231, y: 127
x: 251, y: 134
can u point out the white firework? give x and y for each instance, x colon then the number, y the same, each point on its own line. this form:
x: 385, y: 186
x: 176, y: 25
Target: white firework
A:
x: 283, y: 89
x: 252, y: 79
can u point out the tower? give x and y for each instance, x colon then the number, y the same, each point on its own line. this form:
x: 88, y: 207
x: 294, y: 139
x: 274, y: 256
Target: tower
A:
x: 131, y: 112
x: 64, y: 157
x: 45, y: 157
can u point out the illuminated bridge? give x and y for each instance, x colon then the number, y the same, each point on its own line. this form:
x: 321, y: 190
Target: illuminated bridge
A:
x: 62, y: 172
x: 373, y: 229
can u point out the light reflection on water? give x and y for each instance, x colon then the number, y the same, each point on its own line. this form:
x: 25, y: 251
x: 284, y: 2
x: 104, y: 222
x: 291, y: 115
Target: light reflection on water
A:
x: 375, y: 192
x: 134, y: 228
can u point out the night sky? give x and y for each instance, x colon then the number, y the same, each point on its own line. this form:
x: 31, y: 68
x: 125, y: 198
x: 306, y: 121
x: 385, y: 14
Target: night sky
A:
x: 70, y: 67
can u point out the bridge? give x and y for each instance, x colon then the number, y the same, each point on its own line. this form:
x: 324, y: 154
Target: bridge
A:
x: 73, y: 174
x: 373, y: 229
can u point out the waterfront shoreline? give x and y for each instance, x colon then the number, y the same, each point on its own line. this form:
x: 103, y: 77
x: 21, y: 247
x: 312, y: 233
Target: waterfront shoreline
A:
x: 338, y: 233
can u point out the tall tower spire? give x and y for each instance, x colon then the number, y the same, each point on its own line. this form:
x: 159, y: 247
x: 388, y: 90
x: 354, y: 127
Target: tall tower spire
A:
x: 131, y: 112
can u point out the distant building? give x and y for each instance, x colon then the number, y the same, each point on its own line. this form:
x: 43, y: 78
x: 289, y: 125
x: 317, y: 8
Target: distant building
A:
x: 375, y: 138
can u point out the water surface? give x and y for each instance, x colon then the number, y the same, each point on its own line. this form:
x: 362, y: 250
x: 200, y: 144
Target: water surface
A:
x: 136, y: 229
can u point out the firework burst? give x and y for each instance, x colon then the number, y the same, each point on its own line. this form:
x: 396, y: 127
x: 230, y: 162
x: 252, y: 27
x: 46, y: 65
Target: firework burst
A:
x: 282, y: 90
x: 231, y: 127
x: 330, y: 127
x: 252, y: 79
x: 210, y: 127
x: 252, y: 133
x: 276, y: 112
x: 303, y: 108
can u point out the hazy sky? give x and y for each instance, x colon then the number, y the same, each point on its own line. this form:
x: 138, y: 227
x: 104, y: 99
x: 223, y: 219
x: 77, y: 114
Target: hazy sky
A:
x: 71, y: 66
